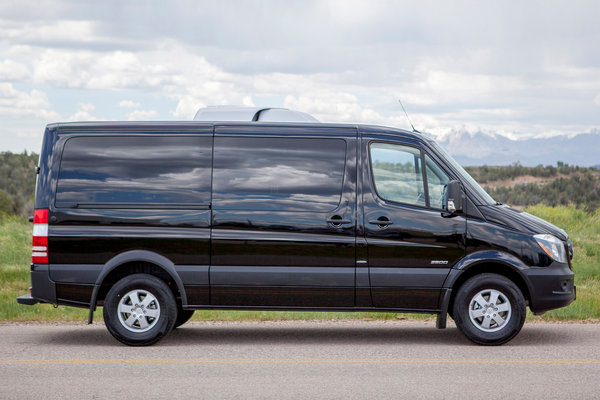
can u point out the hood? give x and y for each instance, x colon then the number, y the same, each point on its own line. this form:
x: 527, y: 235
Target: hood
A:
x: 521, y: 221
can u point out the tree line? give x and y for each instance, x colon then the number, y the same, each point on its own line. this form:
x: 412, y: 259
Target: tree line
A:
x: 17, y: 182
x: 491, y: 173
x: 564, y: 184
x: 582, y: 190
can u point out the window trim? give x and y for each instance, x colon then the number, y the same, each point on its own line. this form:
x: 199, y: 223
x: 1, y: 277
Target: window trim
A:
x: 425, y: 154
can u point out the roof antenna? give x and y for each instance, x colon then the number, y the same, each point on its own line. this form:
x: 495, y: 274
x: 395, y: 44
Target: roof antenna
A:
x: 409, y: 121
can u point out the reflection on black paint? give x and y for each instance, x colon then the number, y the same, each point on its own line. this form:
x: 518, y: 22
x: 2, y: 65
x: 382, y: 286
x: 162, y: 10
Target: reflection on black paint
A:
x: 278, y: 173
x: 135, y: 170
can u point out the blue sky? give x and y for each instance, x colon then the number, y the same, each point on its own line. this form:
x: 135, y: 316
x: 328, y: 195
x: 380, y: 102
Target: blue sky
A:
x: 514, y: 68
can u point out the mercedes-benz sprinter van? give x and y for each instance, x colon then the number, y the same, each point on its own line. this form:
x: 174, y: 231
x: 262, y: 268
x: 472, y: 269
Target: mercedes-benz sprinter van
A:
x: 155, y: 220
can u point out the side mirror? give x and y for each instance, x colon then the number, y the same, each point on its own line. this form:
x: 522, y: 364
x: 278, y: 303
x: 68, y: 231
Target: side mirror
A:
x: 453, y: 197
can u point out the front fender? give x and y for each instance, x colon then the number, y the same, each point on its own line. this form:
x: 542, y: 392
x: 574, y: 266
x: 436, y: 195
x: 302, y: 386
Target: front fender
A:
x: 472, y: 260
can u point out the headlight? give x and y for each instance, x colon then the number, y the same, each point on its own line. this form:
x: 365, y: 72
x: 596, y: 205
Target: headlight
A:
x: 552, y: 246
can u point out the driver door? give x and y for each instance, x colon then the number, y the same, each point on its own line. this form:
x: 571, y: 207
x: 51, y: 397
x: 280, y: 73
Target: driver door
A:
x: 412, y: 243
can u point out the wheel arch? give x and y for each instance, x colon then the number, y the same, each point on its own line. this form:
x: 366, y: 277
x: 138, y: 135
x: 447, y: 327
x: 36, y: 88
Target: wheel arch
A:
x: 494, y: 262
x: 136, y: 261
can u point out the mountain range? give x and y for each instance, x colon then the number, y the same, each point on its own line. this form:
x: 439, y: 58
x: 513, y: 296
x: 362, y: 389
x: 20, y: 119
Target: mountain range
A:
x: 483, y: 148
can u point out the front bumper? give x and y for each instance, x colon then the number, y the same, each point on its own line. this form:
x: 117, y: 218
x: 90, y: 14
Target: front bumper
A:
x: 550, y: 287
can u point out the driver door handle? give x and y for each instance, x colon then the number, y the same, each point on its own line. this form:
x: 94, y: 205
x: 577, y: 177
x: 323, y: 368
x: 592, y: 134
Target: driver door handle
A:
x: 381, y: 221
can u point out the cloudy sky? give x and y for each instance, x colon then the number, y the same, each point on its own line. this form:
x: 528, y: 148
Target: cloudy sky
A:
x: 515, y: 68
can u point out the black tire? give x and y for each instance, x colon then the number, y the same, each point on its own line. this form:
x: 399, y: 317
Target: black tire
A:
x: 183, y: 316
x: 483, y: 320
x: 144, y: 296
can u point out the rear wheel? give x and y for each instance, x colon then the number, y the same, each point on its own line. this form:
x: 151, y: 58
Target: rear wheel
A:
x: 139, y: 310
x: 183, y: 316
x: 489, y: 309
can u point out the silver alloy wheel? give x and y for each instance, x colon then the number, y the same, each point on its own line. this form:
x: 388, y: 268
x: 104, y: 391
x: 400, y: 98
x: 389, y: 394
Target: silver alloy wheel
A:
x: 489, y: 310
x: 138, y: 311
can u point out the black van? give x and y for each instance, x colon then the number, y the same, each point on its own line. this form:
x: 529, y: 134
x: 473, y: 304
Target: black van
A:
x: 155, y: 220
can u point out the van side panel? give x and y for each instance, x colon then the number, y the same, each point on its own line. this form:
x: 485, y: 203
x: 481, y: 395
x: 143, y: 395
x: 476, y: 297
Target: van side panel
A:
x: 273, y: 195
x: 130, y: 190
x: 93, y: 236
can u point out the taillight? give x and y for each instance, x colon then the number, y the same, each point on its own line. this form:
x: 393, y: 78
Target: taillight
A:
x: 39, y: 249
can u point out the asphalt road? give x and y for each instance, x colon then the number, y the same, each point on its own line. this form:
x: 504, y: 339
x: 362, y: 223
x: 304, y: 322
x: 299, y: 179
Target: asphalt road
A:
x: 308, y: 360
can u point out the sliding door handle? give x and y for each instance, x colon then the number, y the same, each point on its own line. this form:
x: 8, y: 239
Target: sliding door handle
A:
x: 337, y: 220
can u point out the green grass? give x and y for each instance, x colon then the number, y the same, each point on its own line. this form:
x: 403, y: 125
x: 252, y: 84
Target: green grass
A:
x: 15, y: 257
x: 583, y: 228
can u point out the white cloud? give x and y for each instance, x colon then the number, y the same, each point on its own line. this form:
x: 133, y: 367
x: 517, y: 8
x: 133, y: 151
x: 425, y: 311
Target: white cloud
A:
x: 187, y: 107
x: 11, y: 70
x: 515, y: 76
x: 83, y: 113
x: 247, y: 101
x: 52, y: 32
x: 118, y: 70
x: 348, y: 96
x: 438, y: 96
x: 129, y: 104
x: 141, y: 115
x: 87, y: 107
x: 333, y: 107
x: 21, y: 104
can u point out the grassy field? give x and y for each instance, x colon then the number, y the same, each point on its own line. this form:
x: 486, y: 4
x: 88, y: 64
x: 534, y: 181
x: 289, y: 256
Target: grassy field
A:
x: 583, y: 228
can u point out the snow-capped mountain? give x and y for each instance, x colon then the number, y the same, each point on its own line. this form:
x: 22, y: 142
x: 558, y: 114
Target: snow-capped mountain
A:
x: 481, y: 148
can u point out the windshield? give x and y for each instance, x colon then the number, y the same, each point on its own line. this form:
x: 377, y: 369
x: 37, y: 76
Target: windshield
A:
x: 465, y: 177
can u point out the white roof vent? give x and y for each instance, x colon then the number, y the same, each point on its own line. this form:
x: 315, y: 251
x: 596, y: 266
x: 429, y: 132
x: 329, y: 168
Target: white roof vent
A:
x: 245, y: 114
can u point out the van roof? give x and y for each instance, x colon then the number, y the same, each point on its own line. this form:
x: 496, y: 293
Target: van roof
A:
x: 193, y: 126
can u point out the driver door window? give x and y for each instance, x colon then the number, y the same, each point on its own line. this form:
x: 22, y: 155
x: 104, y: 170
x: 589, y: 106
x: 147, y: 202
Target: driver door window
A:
x: 397, y: 172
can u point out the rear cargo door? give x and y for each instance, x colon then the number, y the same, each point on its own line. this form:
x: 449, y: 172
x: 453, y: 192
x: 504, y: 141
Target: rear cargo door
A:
x: 131, y: 188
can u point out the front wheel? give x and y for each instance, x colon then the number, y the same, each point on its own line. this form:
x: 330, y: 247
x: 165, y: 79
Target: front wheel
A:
x: 139, y: 310
x: 489, y: 309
